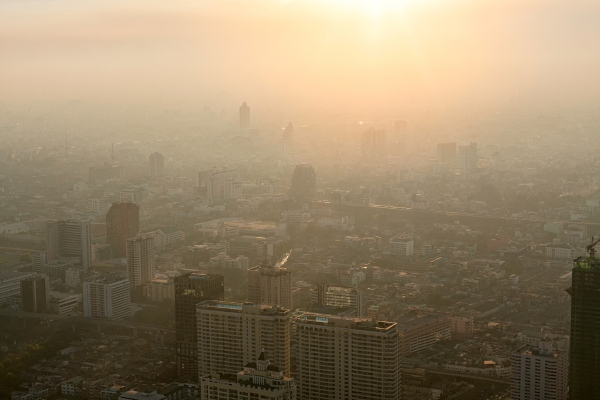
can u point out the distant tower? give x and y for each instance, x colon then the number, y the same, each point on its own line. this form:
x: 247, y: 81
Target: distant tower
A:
x: 244, y: 116
x: 69, y: 240
x: 140, y: 262
x: 467, y: 158
x: 157, y: 165
x: 35, y: 294
x: 446, y: 152
x: 122, y: 223
x: 374, y: 143
x: 304, y: 183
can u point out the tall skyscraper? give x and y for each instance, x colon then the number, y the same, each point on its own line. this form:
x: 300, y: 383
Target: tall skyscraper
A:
x: 140, y: 262
x: 347, y: 358
x: 244, y: 116
x: 539, y: 372
x: 70, y: 240
x: 157, y: 165
x: 584, y: 371
x: 107, y: 298
x: 230, y: 335
x: 122, y: 223
x: 467, y: 157
x: 446, y: 152
x: 304, y: 183
x: 191, y: 289
x: 374, y: 144
x: 270, y: 285
x: 35, y: 294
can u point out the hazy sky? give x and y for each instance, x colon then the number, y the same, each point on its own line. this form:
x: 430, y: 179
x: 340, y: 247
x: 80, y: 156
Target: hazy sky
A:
x: 303, y: 54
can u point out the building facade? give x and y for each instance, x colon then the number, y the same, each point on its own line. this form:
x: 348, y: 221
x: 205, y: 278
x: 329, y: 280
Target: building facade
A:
x: 70, y: 240
x: 539, y: 372
x: 122, y: 223
x: 157, y: 165
x: 347, y: 358
x: 401, y: 247
x: 140, y: 262
x: 107, y: 298
x: 340, y: 296
x: 35, y: 294
x: 230, y: 335
x: 467, y: 157
x: 304, y: 183
x: 191, y: 289
x: 584, y: 371
x: 270, y: 285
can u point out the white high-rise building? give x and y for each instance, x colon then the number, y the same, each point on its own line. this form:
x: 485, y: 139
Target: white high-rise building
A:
x: 140, y: 259
x: 402, y: 247
x: 347, y: 358
x: 70, y: 240
x: 540, y: 372
x: 230, y: 335
x: 106, y: 298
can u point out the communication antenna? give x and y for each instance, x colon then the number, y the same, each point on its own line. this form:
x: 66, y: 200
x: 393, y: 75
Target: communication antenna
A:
x: 591, y: 248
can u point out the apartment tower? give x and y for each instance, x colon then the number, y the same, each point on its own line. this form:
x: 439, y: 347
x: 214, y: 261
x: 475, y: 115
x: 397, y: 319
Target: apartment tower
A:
x: 539, y: 372
x: 107, y: 298
x: 347, y: 358
x: 70, y: 240
x: 270, y: 285
x: 231, y: 335
x: 140, y: 262
x: 191, y: 289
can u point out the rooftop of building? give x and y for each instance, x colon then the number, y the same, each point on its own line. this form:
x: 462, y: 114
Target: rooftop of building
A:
x: 534, y: 350
x: 247, y: 308
x: 586, y: 263
x: 346, y: 322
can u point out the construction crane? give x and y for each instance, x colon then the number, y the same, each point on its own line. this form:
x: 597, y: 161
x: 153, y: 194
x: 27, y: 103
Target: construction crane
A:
x: 591, y: 248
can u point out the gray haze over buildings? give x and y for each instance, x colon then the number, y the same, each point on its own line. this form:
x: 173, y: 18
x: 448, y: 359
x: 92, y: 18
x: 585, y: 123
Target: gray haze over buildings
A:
x: 299, y: 199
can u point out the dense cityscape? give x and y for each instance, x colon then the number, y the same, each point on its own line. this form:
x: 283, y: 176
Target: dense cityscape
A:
x: 392, y: 269
x: 299, y: 200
